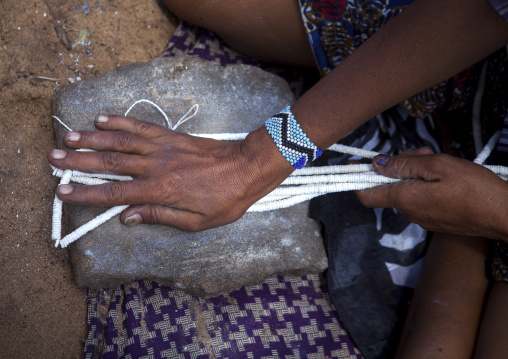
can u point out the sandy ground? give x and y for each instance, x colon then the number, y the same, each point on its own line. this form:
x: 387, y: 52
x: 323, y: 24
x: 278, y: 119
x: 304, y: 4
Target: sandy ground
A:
x: 45, y: 45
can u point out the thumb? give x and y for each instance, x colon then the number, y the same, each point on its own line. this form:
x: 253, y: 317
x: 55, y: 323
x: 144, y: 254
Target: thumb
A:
x: 406, y: 166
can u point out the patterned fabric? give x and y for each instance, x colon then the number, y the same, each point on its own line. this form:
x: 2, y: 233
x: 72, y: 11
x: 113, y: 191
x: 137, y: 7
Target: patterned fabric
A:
x: 501, y: 7
x: 291, y: 141
x: 336, y: 28
x: 285, y: 317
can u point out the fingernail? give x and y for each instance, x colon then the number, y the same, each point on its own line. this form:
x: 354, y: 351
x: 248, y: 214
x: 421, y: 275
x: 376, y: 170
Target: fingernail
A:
x: 65, y: 189
x: 382, y: 159
x: 133, y: 220
x: 73, y: 136
x: 102, y: 119
x: 58, y: 154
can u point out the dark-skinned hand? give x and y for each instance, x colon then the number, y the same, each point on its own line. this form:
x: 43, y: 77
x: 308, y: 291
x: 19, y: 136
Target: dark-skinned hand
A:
x: 179, y: 180
x: 442, y: 193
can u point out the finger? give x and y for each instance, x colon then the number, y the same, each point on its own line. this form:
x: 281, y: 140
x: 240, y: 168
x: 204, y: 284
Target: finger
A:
x: 164, y: 215
x: 409, y: 166
x: 108, y: 194
x: 382, y: 159
x: 98, y: 162
x: 136, y: 127
x: 394, y: 195
x: 378, y: 197
x: 418, y: 151
x: 117, y: 141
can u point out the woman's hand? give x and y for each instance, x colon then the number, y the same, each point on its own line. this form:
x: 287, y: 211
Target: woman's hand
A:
x: 179, y: 180
x: 442, y: 193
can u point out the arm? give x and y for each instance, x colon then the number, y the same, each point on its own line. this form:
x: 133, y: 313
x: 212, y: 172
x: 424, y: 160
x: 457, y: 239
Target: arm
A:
x: 427, y: 43
x: 442, y: 193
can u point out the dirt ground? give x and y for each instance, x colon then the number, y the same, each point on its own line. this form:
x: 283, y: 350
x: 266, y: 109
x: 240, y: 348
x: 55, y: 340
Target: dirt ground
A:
x: 44, y: 45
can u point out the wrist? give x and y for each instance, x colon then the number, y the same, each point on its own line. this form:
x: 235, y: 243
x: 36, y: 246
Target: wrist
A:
x: 265, y: 166
x: 289, y: 138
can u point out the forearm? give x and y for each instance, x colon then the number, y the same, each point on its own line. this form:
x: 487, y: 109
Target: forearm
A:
x: 428, y: 42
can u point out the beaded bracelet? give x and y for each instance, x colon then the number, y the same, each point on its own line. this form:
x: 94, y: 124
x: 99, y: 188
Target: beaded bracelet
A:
x: 292, y: 142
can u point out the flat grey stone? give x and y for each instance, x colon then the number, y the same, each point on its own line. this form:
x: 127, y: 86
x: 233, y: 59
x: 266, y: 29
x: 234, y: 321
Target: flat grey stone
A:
x: 236, y: 98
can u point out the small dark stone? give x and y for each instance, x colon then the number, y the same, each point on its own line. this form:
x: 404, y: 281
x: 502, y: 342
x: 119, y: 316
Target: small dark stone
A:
x: 237, y: 98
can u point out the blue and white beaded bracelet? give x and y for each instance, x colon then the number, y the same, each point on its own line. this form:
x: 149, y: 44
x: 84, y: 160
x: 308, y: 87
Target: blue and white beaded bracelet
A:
x: 291, y: 141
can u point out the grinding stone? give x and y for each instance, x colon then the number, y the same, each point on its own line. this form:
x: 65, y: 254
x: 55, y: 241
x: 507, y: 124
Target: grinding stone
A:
x: 235, y: 98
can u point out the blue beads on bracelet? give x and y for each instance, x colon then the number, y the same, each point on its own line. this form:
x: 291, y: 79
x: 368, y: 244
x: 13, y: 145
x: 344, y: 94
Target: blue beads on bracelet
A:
x: 291, y: 141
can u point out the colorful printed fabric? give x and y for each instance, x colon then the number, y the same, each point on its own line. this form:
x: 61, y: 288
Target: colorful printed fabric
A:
x: 336, y: 28
x: 285, y: 317
x: 501, y: 7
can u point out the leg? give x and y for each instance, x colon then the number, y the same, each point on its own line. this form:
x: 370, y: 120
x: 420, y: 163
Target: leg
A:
x: 266, y: 30
x: 448, y: 302
x: 492, y: 343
